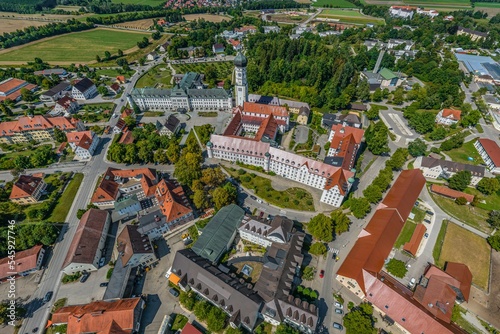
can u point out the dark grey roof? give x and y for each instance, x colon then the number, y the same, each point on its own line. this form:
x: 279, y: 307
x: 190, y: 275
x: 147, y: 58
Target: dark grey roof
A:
x: 304, y: 111
x: 240, y: 60
x: 189, y: 80
x: 150, y: 92
x: 50, y: 71
x: 452, y: 166
x: 118, y: 281
x: 84, y: 84
x: 57, y: 88
x: 473, y: 32
x: 213, y: 93
x: 151, y: 221
x: 359, y: 106
x: 172, y: 123
x: 350, y: 119
x: 281, y: 227
x: 216, y: 235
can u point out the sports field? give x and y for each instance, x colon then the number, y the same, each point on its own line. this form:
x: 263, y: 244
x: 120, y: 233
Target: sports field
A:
x: 349, y: 16
x: 333, y: 3
x: 78, y: 47
x: 457, y: 246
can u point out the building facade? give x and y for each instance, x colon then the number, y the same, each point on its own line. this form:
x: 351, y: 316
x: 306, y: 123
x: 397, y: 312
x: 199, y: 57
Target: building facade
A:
x: 83, y: 143
x: 241, y: 87
x: 28, y: 189
x: 84, y: 89
x: 490, y: 152
x: 435, y: 168
x: 344, y: 145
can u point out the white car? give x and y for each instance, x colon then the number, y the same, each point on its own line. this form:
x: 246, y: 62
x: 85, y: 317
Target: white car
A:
x: 338, y: 305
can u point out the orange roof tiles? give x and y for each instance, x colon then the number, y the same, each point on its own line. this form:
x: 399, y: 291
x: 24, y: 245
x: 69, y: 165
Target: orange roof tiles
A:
x: 190, y: 329
x: 81, y: 139
x: 108, y: 189
x: 11, y: 84
x: 462, y: 273
x: 37, y: 122
x: 445, y: 191
x: 121, y: 78
x: 126, y: 138
x: 25, y: 260
x: 452, y: 114
x: 412, y: 246
x: 25, y: 186
x: 492, y: 149
x: 11, y: 88
x: 169, y: 198
x: 127, y: 112
x: 265, y: 109
x: 345, y: 141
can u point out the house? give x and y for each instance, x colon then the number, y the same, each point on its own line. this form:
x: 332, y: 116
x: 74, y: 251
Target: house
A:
x: 164, y: 47
x: 83, y: 143
x: 246, y: 30
x: 65, y: 106
x: 448, y: 116
x: 432, y: 13
x: 351, y: 119
x: 27, y: 189
x: 490, y: 152
x: 413, y: 245
x: 38, y: 128
x: 395, y: 43
x: 10, y: 89
x: 404, y: 12
x: 344, y: 145
x: 126, y: 138
x: 60, y: 72
x: 218, y: 48
x: 263, y: 233
x: 127, y: 113
x: 133, y: 248
x: 115, y: 88
x: 236, y: 44
x: 169, y: 128
x: 358, y: 106
x: 492, y: 101
x: 26, y: 262
x: 190, y: 329
x: 279, y: 113
x: 290, y: 105
x: 303, y: 117
x: 448, y: 18
x: 193, y: 51
x: 121, y: 79
x: 102, y: 316
x: 84, y: 89
x: 451, y: 193
x: 473, y: 34
x: 434, y: 168
x: 88, y: 243
x: 271, y: 29
x: 152, y: 56
x: 55, y: 93
x: 120, y: 126
x: 382, y: 78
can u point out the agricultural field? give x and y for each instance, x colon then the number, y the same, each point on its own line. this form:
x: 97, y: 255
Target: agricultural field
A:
x: 349, y: 16
x: 144, y: 24
x: 478, y: 261
x: 206, y: 17
x: 333, y: 3
x: 492, y: 8
x: 80, y: 47
x: 158, y: 77
x: 10, y: 25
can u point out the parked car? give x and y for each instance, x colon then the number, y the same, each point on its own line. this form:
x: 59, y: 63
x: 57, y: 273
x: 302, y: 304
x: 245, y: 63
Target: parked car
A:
x: 338, y: 305
x: 427, y: 221
x: 174, y: 292
x: 103, y: 284
x: 417, y: 203
x: 339, y: 311
x: 84, y: 277
x: 426, y: 235
x: 429, y: 212
x: 338, y: 326
x: 102, y: 261
x: 48, y: 296
x: 253, y: 197
x: 322, y: 273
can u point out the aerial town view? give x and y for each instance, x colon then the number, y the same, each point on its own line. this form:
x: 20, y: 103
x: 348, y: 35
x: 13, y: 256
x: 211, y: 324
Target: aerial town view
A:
x: 249, y: 166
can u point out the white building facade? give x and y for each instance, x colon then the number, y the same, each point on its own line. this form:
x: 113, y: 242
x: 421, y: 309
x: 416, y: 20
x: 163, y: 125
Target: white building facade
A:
x: 241, y: 87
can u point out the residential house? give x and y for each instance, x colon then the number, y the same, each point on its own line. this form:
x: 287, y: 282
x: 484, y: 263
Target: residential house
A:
x: 84, y: 89
x: 263, y: 233
x: 490, y: 152
x: 26, y: 262
x: 448, y: 18
x: 245, y: 30
x: 134, y: 249
x: 27, y: 189
x: 60, y: 72
x: 88, y: 243
x: 271, y: 29
x: 65, y: 106
x: 236, y: 44
x: 10, y: 89
x: 432, y: 13
x: 55, y: 93
x: 193, y: 51
x: 218, y: 48
x: 303, y: 116
x: 395, y: 43
x: 164, y: 47
x: 473, y: 34
x: 120, y: 127
x: 344, y: 145
x: 435, y: 168
x: 83, y: 143
x: 451, y: 193
x: 115, y: 88
x: 126, y: 138
x: 351, y: 119
x: 121, y: 79
x: 448, y: 116
x: 404, y: 12
x: 170, y: 127
x: 152, y: 56
x: 103, y: 316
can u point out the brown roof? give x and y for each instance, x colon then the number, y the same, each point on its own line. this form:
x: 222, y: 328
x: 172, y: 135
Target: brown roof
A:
x: 127, y: 112
x: 25, y: 186
x: 404, y: 192
x: 81, y: 139
x: 172, y: 200
x: 452, y: 114
x: 492, y: 149
x: 462, y: 273
x: 115, y: 87
x: 86, y: 240
x: 37, y: 122
x: 16, y: 85
x: 107, y: 189
x: 100, y: 317
x: 445, y: 191
x: 412, y: 246
x: 10, y: 84
x: 190, y: 329
x: 130, y: 242
x: 121, y: 78
x: 25, y: 260
x: 265, y: 109
x: 126, y: 138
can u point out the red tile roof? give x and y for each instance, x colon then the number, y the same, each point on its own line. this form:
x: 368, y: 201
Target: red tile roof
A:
x: 445, y: 191
x: 172, y: 201
x: 100, y: 317
x: 108, y: 189
x: 492, y: 149
x: 81, y: 139
x: 16, y: 85
x: 190, y: 329
x: 25, y: 186
x: 127, y: 112
x: 462, y: 273
x: 25, y: 260
x: 131, y: 242
x: 345, y: 141
x: 126, y: 138
x: 265, y: 109
x: 121, y: 78
x: 452, y: 114
x: 412, y: 246
x: 37, y: 122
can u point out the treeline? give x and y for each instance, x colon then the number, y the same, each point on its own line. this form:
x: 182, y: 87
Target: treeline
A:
x: 274, y: 4
x: 106, y: 6
x: 169, y: 15
x: 26, y: 6
x: 31, y: 34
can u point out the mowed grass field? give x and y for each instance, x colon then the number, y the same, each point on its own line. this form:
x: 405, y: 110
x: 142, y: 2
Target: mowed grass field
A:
x: 468, y: 248
x: 349, y: 16
x: 334, y: 3
x: 207, y: 17
x: 76, y: 47
x: 10, y: 25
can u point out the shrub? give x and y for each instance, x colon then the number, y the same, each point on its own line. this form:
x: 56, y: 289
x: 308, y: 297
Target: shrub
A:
x: 109, y: 273
x: 461, y: 201
x: 241, y: 171
x: 396, y: 268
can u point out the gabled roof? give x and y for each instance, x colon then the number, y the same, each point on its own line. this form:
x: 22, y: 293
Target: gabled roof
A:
x: 387, y: 74
x: 452, y: 166
x: 62, y: 86
x: 24, y: 260
x: 445, y: 191
x: 462, y: 273
x: 416, y: 238
x: 126, y: 138
x: 107, y: 190
x: 265, y: 109
x: 25, y: 186
x: 65, y: 102
x: 172, y: 123
x: 492, y: 149
x: 452, y: 114
x: 130, y: 242
x: 127, y: 112
x: 81, y: 139
x: 190, y: 329
x: 172, y: 200
x: 83, y: 85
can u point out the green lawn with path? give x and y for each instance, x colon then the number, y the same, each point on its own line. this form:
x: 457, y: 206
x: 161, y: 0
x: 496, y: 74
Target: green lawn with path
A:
x: 76, y: 47
x: 224, y: 69
x: 159, y: 76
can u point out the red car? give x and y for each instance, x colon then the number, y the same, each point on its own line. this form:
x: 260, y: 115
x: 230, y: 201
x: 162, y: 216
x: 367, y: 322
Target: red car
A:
x: 322, y: 274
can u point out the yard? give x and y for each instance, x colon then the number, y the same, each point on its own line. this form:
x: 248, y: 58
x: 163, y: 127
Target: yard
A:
x: 292, y: 198
x: 462, y: 154
x: 490, y: 202
x: 113, y: 73
x: 334, y: 3
x: 66, y: 200
x: 75, y: 47
x: 159, y: 76
x: 14, y: 151
x: 350, y: 16
x: 478, y: 260
x: 224, y: 69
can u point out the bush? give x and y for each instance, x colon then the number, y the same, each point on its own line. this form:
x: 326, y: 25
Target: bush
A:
x: 109, y: 273
x: 396, y: 268
x: 308, y: 274
x: 241, y: 171
x: 461, y: 201
x: 71, y: 278
x: 318, y: 248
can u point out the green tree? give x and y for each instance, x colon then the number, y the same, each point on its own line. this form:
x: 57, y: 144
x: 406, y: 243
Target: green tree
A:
x: 494, y: 241
x: 373, y: 193
x: 156, y: 35
x: 130, y: 122
x: 363, y: 90
x: 231, y: 330
x: 188, y: 300
x: 377, y: 138
x: 321, y: 227
x: 396, y: 268
x: 216, y: 319
x: 461, y: 200
x: 438, y: 133
x: 377, y: 95
x: 494, y: 218
x: 142, y: 61
x: 460, y: 181
x: 340, y: 221
x: 97, y: 58
x: 173, y: 151
x: 188, y: 168
x: 5, y: 312
x: 202, y: 309
x: 417, y: 148
x: 102, y: 90
x: 488, y: 185
x: 372, y: 113
x: 398, y: 159
x: 360, y: 207
x: 359, y: 322
x: 308, y: 273
x: 107, y: 55
x: 317, y: 248
x: 27, y: 95
x: 286, y: 329
x: 398, y: 96
x: 212, y: 177
x: 222, y: 196
x: 59, y: 135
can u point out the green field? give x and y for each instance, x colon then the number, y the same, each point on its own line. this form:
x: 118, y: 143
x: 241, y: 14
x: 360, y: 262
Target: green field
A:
x: 76, y: 47
x: 488, y: 4
x: 159, y: 76
x: 340, y: 12
x: 334, y: 3
x: 439, y: 2
x: 462, y: 154
x: 66, y: 200
x: 141, y: 2
x: 350, y: 16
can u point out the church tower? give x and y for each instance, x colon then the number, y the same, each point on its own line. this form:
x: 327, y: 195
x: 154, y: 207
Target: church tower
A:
x: 241, y: 86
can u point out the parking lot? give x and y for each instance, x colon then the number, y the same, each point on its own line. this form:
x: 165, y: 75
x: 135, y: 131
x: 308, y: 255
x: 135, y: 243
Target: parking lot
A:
x: 73, y: 291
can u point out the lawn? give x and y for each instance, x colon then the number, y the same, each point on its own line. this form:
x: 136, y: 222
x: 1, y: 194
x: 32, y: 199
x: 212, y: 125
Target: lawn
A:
x: 76, y: 47
x: 353, y: 13
x: 159, y: 76
x: 179, y: 322
x: 419, y: 215
x: 334, y: 3
x: 440, y: 2
x: 438, y: 246
x: 66, y: 200
x: 487, y: 202
x: 292, y: 198
x: 473, y: 216
x: 256, y: 266
x: 350, y: 16
x: 405, y: 234
x: 478, y: 260
x: 141, y: 2
x: 224, y: 69
x: 487, y: 4
x: 113, y: 73
x: 462, y: 154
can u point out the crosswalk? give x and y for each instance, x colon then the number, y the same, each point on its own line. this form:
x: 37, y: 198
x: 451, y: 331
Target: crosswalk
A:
x: 333, y: 250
